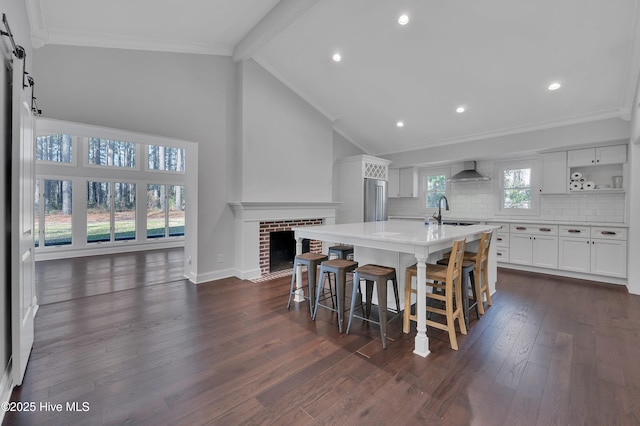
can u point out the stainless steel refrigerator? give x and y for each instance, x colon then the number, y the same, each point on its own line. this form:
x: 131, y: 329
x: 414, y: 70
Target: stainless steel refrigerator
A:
x: 375, y: 200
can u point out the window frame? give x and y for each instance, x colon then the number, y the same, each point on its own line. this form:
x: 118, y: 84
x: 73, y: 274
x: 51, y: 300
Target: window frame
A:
x: 423, y: 174
x: 75, y: 140
x: 528, y: 163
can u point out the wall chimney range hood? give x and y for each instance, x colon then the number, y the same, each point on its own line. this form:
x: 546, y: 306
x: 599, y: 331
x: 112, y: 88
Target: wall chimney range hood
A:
x: 469, y: 174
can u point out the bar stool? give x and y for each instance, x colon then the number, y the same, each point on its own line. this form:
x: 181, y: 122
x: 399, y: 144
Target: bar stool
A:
x: 481, y: 270
x: 380, y: 276
x: 311, y: 261
x: 468, y: 282
x: 339, y: 268
x: 343, y: 252
x: 444, y: 293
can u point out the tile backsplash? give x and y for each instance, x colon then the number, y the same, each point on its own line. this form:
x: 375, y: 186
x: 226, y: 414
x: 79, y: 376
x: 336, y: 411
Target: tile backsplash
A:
x: 480, y: 200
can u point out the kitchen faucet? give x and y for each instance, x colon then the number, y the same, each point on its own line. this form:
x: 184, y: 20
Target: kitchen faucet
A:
x: 446, y: 207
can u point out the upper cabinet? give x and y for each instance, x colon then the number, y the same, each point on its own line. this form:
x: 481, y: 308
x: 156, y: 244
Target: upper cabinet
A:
x: 616, y: 154
x: 554, y: 173
x: 403, y: 183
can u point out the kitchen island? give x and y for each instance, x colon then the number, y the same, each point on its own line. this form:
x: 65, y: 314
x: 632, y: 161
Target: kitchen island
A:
x: 394, y: 243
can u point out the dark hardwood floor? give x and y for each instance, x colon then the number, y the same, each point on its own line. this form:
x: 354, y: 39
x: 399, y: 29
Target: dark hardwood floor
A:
x: 549, y: 351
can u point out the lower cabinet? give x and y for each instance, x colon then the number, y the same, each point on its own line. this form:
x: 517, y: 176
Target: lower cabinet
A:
x: 593, y: 250
x: 534, y: 245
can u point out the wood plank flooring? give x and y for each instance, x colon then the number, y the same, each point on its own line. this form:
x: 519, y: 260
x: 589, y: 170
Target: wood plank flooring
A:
x: 549, y: 351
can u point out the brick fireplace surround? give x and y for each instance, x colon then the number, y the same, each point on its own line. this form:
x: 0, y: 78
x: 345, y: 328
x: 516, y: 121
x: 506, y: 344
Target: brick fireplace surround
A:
x: 255, y: 220
x: 266, y: 228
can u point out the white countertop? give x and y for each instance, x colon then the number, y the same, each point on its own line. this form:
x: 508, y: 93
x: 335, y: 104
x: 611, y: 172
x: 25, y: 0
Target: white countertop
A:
x: 524, y: 221
x: 401, y: 235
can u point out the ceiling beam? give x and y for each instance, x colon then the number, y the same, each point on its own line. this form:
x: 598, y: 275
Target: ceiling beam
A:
x: 277, y: 20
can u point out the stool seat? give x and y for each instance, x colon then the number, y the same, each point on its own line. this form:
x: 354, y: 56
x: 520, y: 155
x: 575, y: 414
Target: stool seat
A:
x: 378, y: 275
x: 339, y: 267
x: 311, y: 261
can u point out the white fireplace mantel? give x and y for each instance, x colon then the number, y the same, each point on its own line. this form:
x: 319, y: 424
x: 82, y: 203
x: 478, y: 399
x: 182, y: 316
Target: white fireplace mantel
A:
x: 249, y: 214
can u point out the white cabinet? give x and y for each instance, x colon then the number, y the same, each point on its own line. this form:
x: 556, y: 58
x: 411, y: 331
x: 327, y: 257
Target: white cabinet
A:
x: 554, y: 173
x: 616, y: 154
x: 574, y: 248
x: 609, y: 251
x: 394, y: 183
x: 534, y: 245
x: 403, y: 182
x: 595, y: 250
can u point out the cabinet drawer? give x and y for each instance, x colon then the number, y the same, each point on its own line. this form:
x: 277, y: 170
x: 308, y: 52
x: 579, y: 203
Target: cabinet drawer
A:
x: 575, y: 231
x: 502, y: 239
x: 535, y: 229
x: 502, y: 254
x: 608, y: 233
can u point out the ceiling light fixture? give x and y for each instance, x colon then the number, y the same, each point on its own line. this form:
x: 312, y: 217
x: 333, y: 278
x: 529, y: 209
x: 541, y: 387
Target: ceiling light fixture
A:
x: 460, y: 109
x: 400, y: 124
x: 403, y: 20
x: 336, y: 57
x: 554, y: 86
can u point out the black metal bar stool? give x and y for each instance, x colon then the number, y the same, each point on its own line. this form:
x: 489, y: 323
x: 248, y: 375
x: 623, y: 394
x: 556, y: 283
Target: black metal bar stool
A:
x: 311, y: 261
x: 338, y: 267
x: 380, y: 276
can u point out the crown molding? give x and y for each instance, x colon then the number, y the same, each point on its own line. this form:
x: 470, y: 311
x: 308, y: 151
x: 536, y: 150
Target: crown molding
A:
x: 603, y: 115
x: 118, y: 42
x: 337, y: 127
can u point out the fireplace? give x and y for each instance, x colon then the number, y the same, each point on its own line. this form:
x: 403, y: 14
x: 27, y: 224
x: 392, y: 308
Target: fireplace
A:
x: 278, y: 245
x: 256, y: 220
x: 282, y: 250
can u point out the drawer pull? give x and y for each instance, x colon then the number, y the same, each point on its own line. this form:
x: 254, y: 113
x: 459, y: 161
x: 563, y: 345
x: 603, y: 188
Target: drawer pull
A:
x: 545, y: 229
x: 521, y: 228
x: 574, y: 231
x: 499, y: 254
x: 499, y: 238
x: 608, y: 233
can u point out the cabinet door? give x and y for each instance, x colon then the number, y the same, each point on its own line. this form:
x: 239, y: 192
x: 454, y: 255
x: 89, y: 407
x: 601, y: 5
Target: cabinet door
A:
x: 616, y: 154
x: 581, y: 157
x: 394, y: 183
x: 554, y: 173
x: 520, y: 249
x: 574, y: 254
x: 545, y: 252
x: 609, y: 257
x: 408, y: 182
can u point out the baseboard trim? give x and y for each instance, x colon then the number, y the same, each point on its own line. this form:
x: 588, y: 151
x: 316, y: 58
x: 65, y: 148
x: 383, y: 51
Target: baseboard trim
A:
x: 211, y: 276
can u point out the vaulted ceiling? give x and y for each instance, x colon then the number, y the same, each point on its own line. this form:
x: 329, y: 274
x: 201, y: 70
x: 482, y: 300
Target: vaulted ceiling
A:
x: 495, y: 58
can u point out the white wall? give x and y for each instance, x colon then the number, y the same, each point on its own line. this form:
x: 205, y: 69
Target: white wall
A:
x: 180, y: 96
x: 17, y: 17
x: 287, y: 145
x: 634, y: 194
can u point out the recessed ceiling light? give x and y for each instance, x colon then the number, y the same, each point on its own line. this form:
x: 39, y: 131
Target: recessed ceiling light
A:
x: 460, y: 109
x: 336, y: 57
x: 400, y: 124
x: 554, y: 86
x: 403, y: 20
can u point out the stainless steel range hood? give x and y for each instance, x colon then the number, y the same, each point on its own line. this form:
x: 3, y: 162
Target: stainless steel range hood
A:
x: 469, y: 174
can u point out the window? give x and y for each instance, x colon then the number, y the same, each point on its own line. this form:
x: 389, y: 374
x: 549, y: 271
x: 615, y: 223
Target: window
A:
x: 436, y: 188
x: 516, y: 183
x: 56, y: 147
x: 53, y: 212
x: 107, y: 152
x: 434, y: 185
x: 111, y: 211
x: 166, y: 158
x: 165, y: 211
